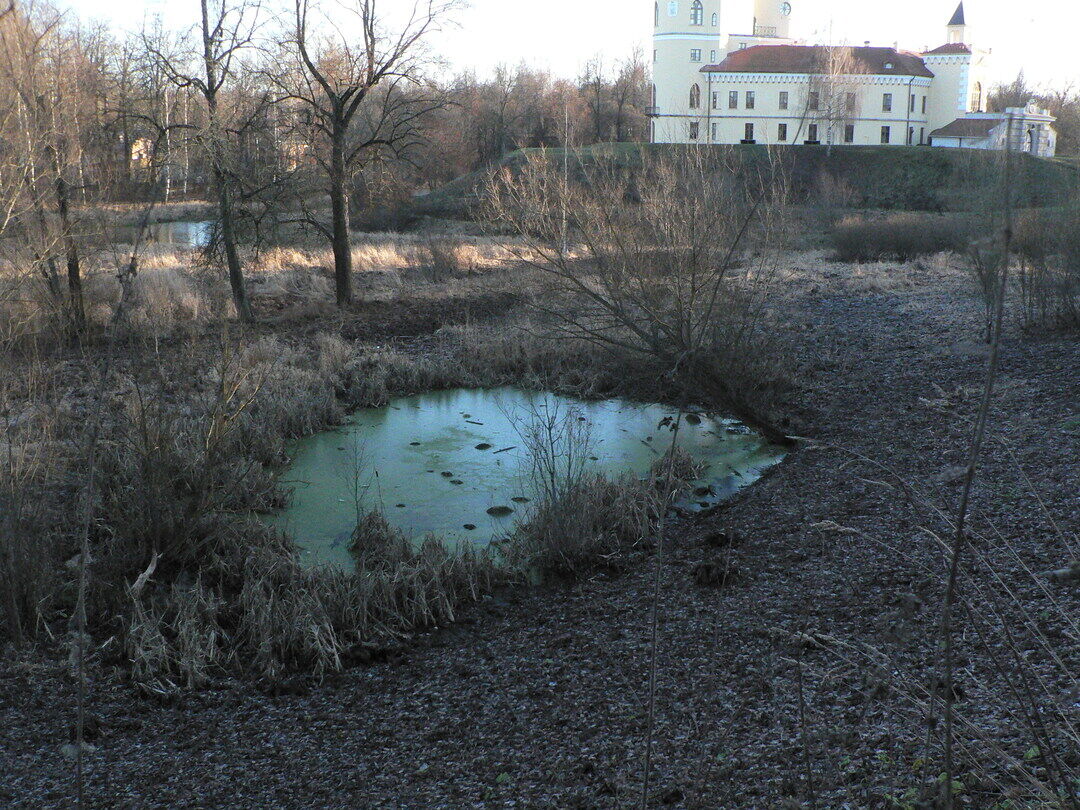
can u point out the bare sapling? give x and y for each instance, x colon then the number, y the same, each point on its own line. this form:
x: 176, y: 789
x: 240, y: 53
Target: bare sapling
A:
x: 673, y: 262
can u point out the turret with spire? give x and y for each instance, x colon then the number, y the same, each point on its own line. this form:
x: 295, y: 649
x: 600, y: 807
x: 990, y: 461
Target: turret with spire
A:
x: 957, y: 27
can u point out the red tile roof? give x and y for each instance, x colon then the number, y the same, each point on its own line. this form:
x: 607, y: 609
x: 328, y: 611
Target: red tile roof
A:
x: 814, y: 58
x: 967, y: 128
x: 951, y: 48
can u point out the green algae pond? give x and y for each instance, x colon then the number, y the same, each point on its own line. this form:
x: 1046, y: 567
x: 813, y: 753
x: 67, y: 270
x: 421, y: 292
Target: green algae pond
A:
x: 455, y: 463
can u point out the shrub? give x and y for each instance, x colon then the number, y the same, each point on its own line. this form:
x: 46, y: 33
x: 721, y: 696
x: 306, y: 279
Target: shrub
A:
x: 901, y: 236
x: 579, y: 518
x: 27, y: 552
x: 571, y: 531
x: 30, y: 509
x: 1047, y: 243
x: 440, y: 259
x: 678, y: 466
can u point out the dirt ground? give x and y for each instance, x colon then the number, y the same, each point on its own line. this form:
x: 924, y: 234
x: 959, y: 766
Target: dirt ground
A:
x: 796, y: 680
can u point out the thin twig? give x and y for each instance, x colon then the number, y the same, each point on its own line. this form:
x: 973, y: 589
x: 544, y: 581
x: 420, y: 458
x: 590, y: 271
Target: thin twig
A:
x: 654, y: 634
x: 969, y: 478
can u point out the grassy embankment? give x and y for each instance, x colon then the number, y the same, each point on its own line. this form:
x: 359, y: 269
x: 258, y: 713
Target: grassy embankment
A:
x: 891, y: 178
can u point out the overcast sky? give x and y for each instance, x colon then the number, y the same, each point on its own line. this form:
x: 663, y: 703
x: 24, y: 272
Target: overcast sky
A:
x: 1038, y: 36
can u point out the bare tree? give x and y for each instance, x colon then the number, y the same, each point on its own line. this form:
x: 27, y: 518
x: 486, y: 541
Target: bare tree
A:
x: 673, y: 263
x: 35, y: 52
x: 832, y: 92
x: 354, y: 85
x: 630, y: 97
x: 225, y: 30
x: 594, y: 88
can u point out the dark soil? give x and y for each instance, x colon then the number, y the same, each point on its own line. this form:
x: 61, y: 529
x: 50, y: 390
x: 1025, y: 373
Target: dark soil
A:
x: 539, y: 697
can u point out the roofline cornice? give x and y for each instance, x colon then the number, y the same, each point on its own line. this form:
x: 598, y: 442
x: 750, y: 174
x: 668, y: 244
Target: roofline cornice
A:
x: 863, y: 78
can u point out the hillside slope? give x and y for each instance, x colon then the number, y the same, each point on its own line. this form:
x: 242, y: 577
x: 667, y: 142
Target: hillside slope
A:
x: 896, y: 178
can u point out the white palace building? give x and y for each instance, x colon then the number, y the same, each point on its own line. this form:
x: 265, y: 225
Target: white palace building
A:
x: 760, y: 86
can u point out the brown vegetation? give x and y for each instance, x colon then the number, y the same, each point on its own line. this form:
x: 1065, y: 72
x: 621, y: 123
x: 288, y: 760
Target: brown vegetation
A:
x: 903, y: 236
x: 673, y: 263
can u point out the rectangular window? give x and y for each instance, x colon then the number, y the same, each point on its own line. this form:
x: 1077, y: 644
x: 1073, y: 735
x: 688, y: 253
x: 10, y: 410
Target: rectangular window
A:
x: 811, y: 133
x: 715, y: 100
x: 733, y: 100
x: 815, y: 100
x: 750, y: 99
x: 781, y: 132
x: 748, y: 132
x: 924, y: 105
x: 783, y: 99
x: 694, y: 129
x: 886, y: 102
x: 715, y: 132
x: 851, y: 100
x: 712, y: 56
x: 849, y: 133
x: 695, y: 55
x: 922, y: 135
x: 912, y: 104
x: 886, y: 134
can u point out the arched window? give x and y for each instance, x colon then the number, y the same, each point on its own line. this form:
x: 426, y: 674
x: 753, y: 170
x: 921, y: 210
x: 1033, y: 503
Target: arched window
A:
x: 976, y: 97
x: 695, y: 97
x: 715, y: 19
x: 697, y: 13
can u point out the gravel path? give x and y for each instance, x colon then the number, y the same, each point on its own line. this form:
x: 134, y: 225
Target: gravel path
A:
x: 538, y: 698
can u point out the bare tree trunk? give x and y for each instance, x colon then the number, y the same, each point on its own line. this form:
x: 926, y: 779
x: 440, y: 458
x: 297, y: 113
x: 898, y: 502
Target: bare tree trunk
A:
x: 339, y: 203
x: 71, y: 250
x: 221, y: 179
x: 232, y: 257
x: 76, y: 306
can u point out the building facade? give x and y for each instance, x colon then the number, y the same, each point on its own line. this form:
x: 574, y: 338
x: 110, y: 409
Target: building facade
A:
x: 757, y: 85
x: 1021, y: 129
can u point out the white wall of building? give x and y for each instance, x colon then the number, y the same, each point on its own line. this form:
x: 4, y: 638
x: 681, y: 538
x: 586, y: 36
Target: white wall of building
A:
x: 960, y: 85
x: 867, y: 117
x: 682, y: 47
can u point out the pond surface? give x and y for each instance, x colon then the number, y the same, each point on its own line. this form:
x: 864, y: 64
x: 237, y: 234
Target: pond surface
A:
x: 455, y: 462
x: 173, y: 234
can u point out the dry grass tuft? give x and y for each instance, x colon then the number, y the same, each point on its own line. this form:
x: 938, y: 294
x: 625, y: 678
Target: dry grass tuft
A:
x: 677, y: 466
x: 585, y: 524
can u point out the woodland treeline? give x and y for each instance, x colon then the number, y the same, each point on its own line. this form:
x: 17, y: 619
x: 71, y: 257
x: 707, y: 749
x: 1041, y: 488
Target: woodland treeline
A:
x: 129, y: 108
x: 324, y: 117
x: 314, y: 114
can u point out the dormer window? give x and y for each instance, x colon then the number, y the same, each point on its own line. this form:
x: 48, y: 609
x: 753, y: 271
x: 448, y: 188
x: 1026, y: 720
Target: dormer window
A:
x: 888, y: 65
